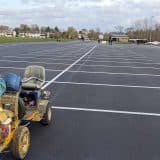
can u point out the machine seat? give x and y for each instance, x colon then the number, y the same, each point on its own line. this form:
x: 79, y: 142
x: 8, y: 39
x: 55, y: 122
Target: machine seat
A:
x: 33, y: 71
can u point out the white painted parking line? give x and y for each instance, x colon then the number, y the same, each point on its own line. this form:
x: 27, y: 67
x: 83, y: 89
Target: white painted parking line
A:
x: 71, y: 59
x: 106, y: 66
x: 19, y: 68
x: 87, y: 72
x: 117, y: 56
x: 4, y: 152
x: 112, y: 73
x: 50, y: 55
x: 129, y: 62
x: 111, y: 66
x: 18, y: 57
x: 68, y: 68
x: 107, y: 85
x: 107, y: 111
x: 124, y: 59
x: 89, y: 60
x: 33, y: 62
x: 72, y: 55
x: 43, y: 53
x: 107, y: 73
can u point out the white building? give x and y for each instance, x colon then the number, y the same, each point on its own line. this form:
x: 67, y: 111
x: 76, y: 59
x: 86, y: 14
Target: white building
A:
x: 30, y: 35
x: 7, y: 33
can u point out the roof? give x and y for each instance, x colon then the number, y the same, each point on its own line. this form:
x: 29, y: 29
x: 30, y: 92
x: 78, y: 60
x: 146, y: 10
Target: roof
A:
x: 119, y: 36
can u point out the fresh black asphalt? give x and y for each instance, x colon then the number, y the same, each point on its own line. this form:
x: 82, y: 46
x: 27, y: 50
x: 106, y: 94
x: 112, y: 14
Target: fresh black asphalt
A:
x: 81, y: 135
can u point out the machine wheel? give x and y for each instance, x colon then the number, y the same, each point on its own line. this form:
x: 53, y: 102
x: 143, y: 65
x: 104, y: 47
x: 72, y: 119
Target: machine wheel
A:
x: 21, y: 142
x: 21, y: 108
x: 46, y: 120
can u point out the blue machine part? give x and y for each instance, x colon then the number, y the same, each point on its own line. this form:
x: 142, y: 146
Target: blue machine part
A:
x: 2, y: 86
x: 13, y: 82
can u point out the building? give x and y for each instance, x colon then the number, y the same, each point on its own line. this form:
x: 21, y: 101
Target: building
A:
x: 29, y: 35
x: 83, y: 34
x: 122, y: 38
x: 7, y: 33
x: 138, y: 41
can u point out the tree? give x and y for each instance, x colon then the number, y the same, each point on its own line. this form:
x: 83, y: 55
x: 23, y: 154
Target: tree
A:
x: 119, y: 28
x: 4, y: 28
x: 24, y: 28
x: 56, y: 29
x: 93, y: 35
x: 47, y: 29
x: 64, y: 35
x: 72, y: 33
x: 17, y: 30
x: 34, y: 28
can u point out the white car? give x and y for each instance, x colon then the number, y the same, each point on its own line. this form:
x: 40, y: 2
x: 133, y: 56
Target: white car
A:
x: 153, y: 43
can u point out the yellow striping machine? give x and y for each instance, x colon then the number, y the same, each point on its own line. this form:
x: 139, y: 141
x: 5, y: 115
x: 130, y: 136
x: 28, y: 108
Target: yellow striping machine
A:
x: 22, y: 101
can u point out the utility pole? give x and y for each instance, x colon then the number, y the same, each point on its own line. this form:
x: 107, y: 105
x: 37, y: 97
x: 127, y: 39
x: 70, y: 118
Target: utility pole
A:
x: 151, y: 28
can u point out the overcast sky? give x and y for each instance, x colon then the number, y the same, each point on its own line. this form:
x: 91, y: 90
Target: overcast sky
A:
x: 103, y: 14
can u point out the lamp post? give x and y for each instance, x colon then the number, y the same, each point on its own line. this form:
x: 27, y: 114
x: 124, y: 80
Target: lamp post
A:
x: 151, y: 28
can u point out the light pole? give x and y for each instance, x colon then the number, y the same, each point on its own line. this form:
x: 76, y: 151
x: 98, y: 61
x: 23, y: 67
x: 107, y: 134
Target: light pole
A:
x: 151, y: 28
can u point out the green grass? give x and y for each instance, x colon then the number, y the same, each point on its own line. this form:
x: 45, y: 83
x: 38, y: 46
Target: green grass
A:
x: 20, y: 39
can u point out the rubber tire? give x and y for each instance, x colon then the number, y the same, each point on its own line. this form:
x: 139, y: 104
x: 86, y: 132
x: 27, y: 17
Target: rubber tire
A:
x: 21, y: 108
x: 46, y: 120
x: 16, y: 143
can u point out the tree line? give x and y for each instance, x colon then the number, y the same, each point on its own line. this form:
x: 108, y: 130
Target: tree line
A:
x: 70, y: 33
x: 140, y: 29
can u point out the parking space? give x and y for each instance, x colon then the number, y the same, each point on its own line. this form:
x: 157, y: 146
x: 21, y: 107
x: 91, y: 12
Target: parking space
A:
x: 105, y: 104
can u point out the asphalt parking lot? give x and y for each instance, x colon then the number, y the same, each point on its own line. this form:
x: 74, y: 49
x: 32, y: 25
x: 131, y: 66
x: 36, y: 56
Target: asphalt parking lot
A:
x: 105, y: 107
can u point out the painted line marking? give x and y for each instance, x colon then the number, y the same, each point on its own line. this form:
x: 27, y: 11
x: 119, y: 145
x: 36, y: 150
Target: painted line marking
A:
x: 127, y: 62
x: 125, y: 59
x: 51, y: 55
x: 106, y: 85
x: 72, y: 55
x: 88, y: 72
x: 4, y: 152
x: 32, y: 62
x: 107, y: 66
x: 112, y: 73
x: 19, y: 68
x: 89, y: 60
x: 42, y: 52
x: 42, y: 58
x: 107, y: 111
x: 69, y: 67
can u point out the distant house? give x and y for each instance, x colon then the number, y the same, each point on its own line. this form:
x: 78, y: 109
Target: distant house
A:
x: 7, y: 33
x: 83, y: 34
x: 43, y: 35
x: 123, y: 38
x: 138, y: 41
x: 30, y: 35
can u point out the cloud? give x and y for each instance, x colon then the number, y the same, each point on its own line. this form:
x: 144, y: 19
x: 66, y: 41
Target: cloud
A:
x: 104, y: 14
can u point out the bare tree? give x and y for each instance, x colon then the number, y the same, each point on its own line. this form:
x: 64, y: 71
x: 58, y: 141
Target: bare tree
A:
x: 34, y: 28
x: 24, y: 28
x: 93, y: 35
x: 119, y: 28
x: 4, y: 28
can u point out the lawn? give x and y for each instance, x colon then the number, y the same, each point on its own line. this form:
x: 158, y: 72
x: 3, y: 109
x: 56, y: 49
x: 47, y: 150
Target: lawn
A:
x: 20, y: 39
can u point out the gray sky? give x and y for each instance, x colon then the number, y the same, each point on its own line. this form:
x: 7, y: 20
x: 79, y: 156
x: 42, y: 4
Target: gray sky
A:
x: 103, y: 14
